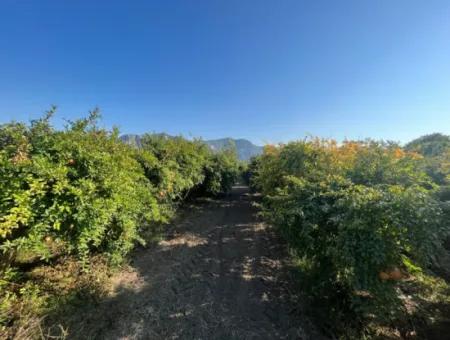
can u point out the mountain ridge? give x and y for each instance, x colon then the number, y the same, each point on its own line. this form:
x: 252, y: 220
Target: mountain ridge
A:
x: 245, y: 149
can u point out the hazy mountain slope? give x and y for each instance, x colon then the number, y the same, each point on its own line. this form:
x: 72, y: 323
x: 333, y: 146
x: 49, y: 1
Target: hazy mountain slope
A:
x: 134, y: 140
x: 245, y: 149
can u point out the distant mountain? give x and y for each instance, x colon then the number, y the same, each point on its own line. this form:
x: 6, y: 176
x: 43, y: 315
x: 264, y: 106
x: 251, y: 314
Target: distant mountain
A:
x: 244, y: 148
x: 134, y: 140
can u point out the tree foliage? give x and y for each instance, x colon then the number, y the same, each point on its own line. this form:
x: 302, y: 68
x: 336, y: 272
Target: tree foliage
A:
x: 85, y: 191
x: 432, y: 145
x: 354, y: 214
x: 435, y: 149
x: 81, y: 191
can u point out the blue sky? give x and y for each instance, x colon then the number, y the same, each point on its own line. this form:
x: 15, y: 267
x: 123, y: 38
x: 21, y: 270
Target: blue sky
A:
x: 268, y: 71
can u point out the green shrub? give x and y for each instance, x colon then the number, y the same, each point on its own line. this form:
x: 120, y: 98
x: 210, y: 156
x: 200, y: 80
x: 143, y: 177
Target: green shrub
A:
x: 220, y: 173
x: 180, y: 164
x: 82, y: 190
x: 353, y: 214
x: 79, y: 190
x: 181, y: 167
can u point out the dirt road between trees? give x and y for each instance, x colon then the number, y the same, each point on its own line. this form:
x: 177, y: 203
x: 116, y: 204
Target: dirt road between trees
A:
x: 220, y: 273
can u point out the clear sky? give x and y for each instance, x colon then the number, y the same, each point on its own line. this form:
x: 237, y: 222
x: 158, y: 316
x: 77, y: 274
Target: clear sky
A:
x: 264, y: 70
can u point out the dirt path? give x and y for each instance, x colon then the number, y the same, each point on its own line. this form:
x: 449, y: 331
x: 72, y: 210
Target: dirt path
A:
x: 221, y: 274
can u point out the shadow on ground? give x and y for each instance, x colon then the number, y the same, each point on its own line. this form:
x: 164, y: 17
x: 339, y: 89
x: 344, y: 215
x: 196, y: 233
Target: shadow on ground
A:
x: 220, y: 274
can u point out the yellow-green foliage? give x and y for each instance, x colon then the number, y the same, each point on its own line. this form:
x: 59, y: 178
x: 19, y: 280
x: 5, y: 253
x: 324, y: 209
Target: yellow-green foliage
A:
x: 82, y: 191
x: 220, y: 173
x: 352, y: 212
x: 81, y: 187
x: 180, y: 167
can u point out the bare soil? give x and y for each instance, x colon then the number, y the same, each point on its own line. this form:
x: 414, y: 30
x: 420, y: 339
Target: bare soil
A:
x: 220, y: 273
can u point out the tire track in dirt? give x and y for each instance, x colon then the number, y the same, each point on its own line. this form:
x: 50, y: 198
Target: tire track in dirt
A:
x: 220, y: 274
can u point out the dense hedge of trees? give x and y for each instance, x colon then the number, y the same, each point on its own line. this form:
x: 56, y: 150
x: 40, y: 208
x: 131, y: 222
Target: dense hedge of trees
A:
x: 182, y: 168
x: 82, y: 191
x: 359, y: 217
